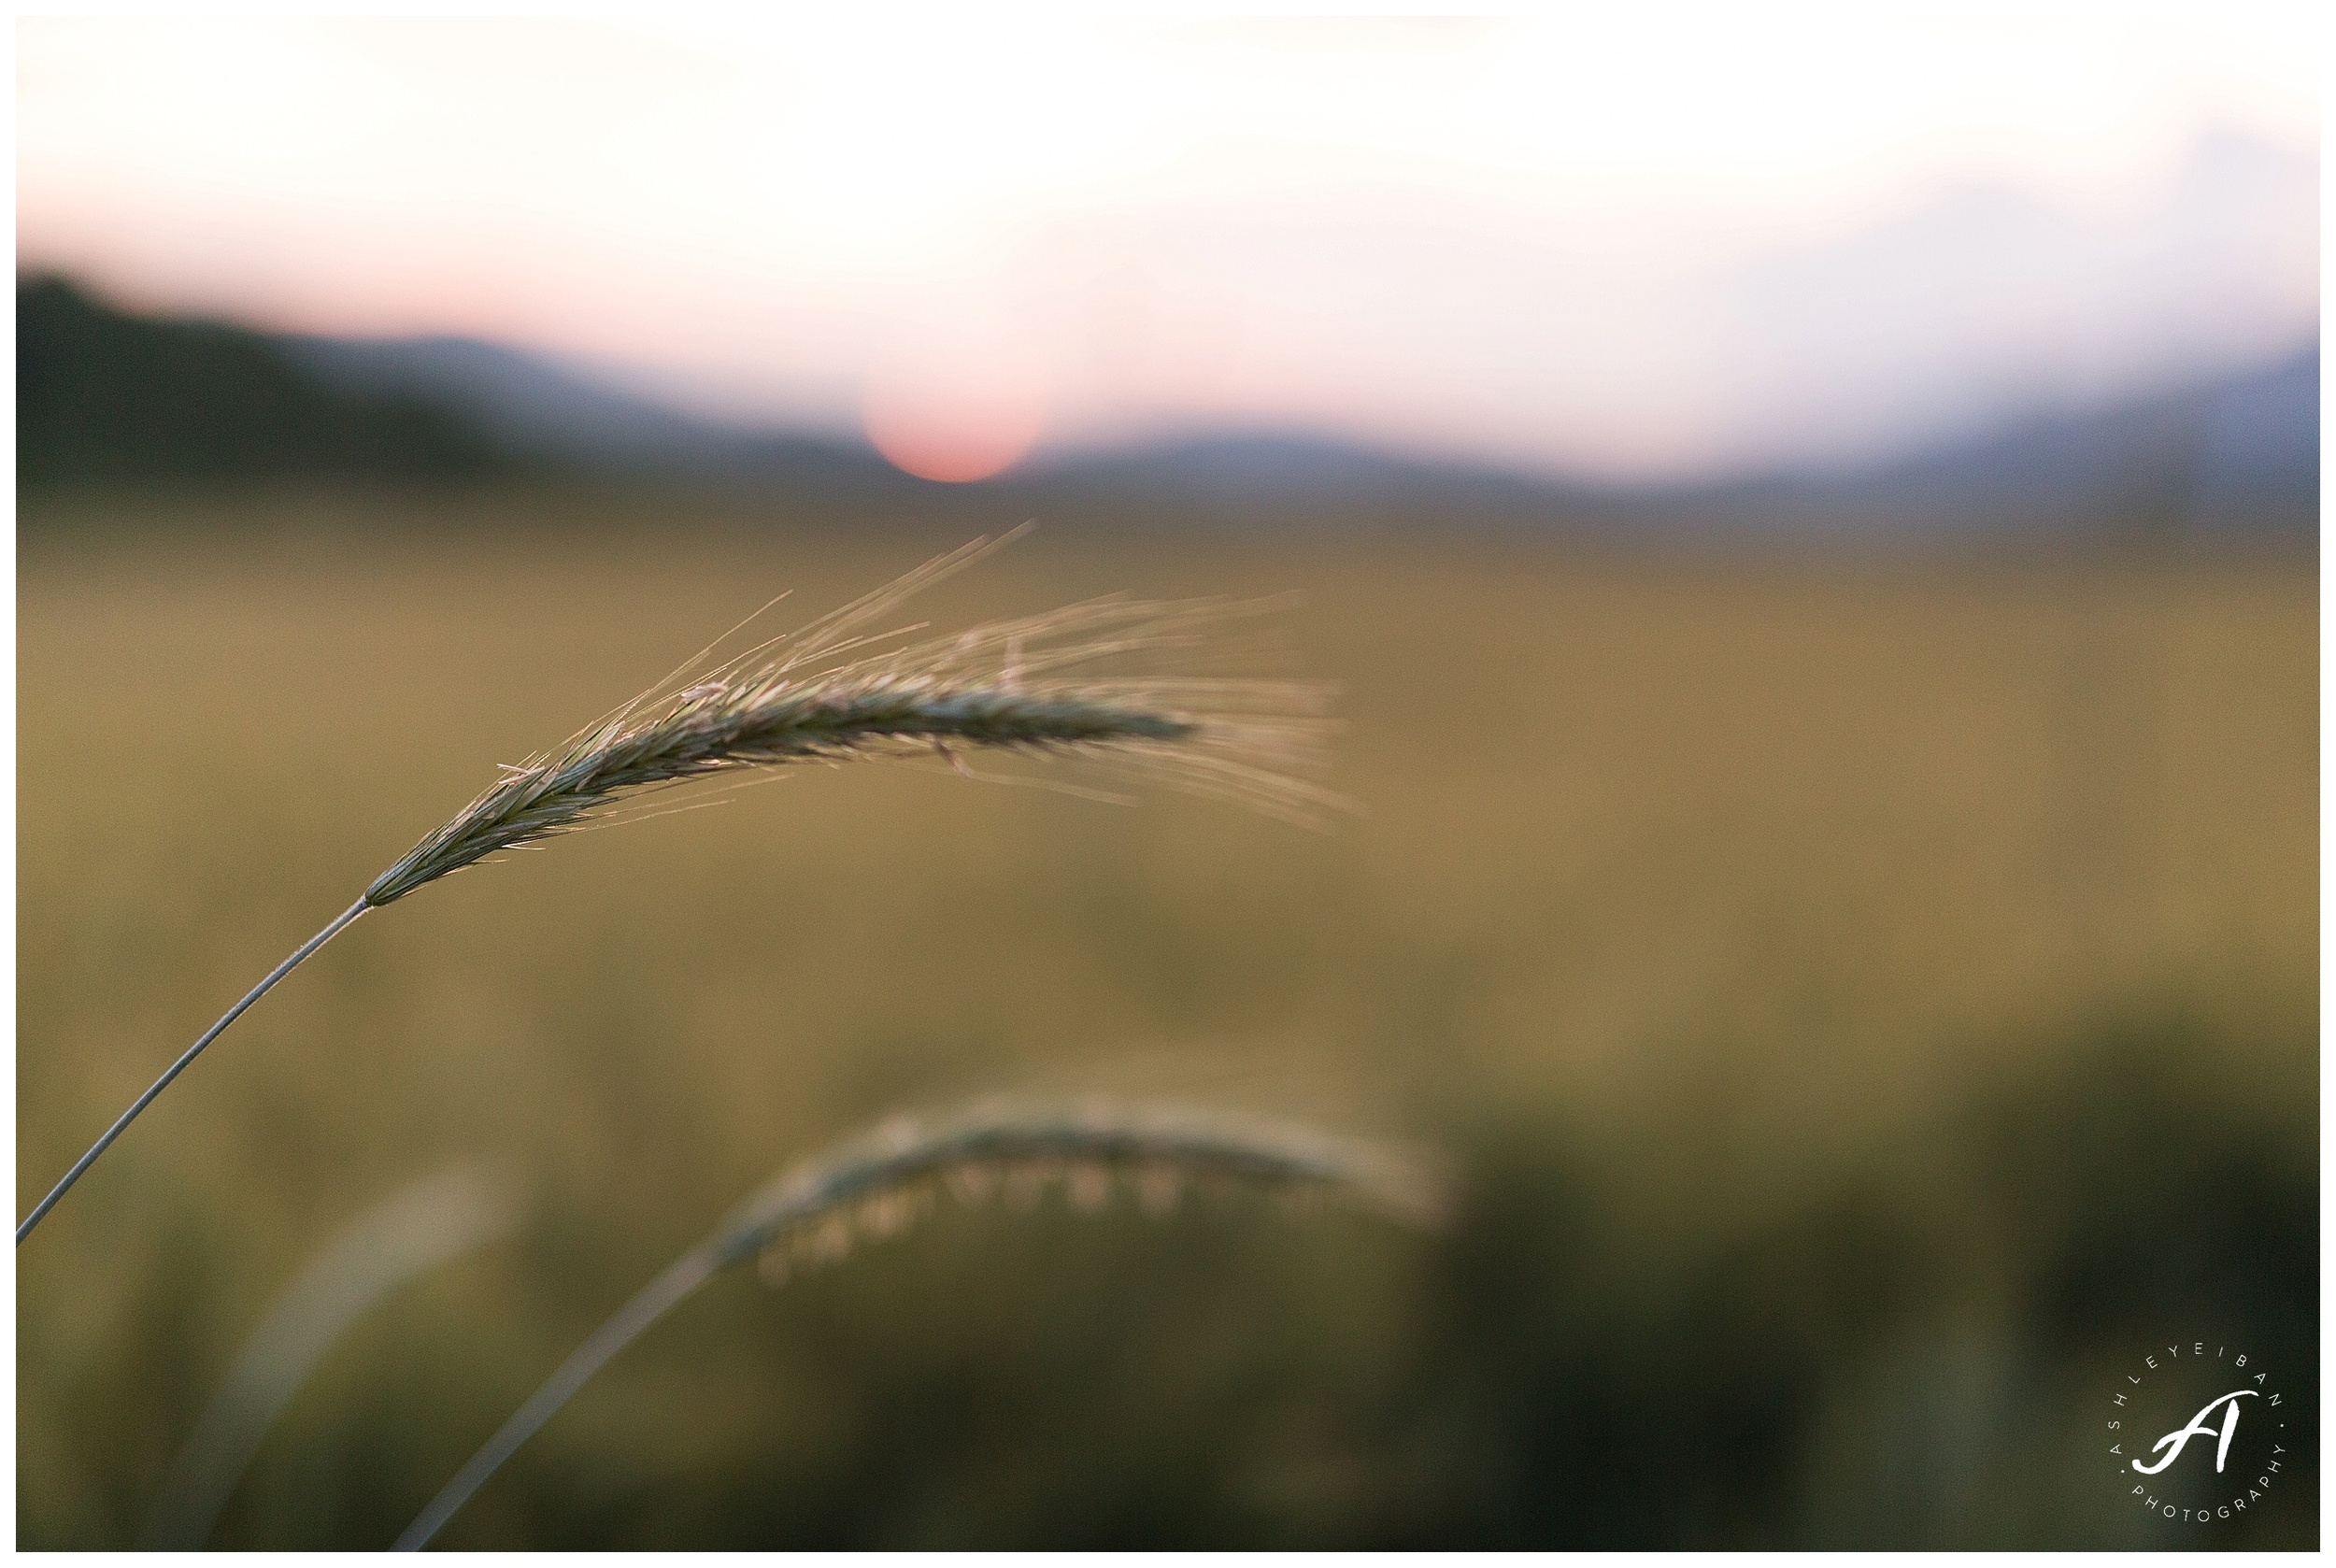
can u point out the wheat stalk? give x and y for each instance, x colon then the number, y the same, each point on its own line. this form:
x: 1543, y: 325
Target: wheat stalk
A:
x: 846, y: 687
x: 884, y: 1180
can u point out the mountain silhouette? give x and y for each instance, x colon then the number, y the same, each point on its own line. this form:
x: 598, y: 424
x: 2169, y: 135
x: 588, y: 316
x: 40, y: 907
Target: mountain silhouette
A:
x: 104, y: 395
x: 563, y: 413
x: 2240, y: 455
x: 2232, y: 456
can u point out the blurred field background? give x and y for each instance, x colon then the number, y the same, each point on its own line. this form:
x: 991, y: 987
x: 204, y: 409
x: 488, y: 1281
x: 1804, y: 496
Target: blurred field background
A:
x: 1866, y: 1001
x: 1816, y: 520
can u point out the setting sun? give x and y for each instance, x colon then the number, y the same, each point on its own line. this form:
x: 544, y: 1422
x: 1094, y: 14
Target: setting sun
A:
x: 954, y: 418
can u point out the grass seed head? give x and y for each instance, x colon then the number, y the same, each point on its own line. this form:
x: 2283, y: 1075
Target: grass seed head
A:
x: 805, y: 1218
x: 842, y: 688
x: 1024, y: 1146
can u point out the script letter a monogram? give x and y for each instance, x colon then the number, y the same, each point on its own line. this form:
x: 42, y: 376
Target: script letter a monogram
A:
x: 2198, y: 1428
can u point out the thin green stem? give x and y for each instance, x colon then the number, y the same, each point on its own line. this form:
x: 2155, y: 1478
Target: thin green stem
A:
x: 306, y: 948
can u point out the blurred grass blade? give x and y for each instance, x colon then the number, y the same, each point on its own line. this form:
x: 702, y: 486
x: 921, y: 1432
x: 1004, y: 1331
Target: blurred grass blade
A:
x: 406, y: 1235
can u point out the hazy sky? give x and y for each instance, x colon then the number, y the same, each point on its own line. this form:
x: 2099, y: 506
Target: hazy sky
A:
x: 1635, y: 241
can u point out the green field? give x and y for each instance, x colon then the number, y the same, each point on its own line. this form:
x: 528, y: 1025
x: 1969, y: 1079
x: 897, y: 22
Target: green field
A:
x: 1866, y: 1001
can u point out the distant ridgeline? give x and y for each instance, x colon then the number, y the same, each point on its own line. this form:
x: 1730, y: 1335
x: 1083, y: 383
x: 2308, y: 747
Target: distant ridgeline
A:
x: 105, y: 397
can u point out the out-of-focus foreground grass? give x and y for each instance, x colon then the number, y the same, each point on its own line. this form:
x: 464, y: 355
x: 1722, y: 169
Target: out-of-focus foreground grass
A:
x: 1869, y: 1005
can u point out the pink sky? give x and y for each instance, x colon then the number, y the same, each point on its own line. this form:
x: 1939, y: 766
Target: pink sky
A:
x: 1658, y: 243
